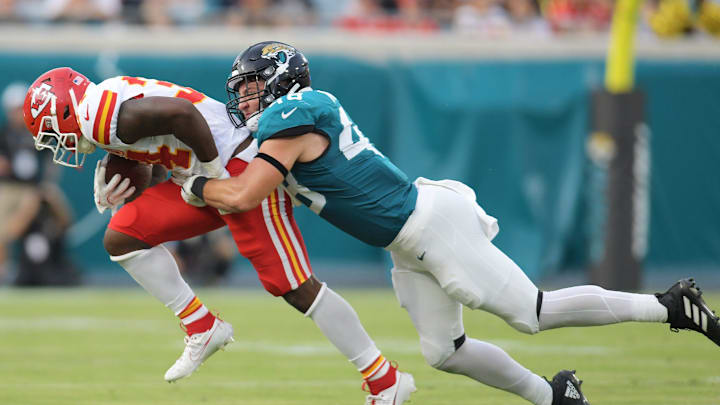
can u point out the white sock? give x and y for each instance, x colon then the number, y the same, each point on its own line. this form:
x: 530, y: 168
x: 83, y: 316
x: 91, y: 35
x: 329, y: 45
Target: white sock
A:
x: 156, y: 271
x: 339, y: 322
x: 490, y: 365
x: 374, y: 375
x: 590, y: 305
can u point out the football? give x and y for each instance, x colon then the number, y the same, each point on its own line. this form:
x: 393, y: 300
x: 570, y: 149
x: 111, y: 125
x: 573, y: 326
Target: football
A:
x: 140, y: 174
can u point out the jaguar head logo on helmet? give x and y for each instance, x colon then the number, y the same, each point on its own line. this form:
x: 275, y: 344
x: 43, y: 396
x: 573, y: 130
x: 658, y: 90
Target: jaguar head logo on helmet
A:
x: 263, y: 73
x: 50, y: 112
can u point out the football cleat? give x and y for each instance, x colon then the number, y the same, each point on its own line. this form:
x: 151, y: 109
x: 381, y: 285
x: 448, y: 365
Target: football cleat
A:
x: 198, y: 348
x: 687, y: 310
x: 566, y: 389
x: 396, y: 394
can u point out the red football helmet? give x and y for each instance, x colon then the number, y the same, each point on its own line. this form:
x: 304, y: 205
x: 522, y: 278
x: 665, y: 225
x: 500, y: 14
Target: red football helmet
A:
x: 49, y: 112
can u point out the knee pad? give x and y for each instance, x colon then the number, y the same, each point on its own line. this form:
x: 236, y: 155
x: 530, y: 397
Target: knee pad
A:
x: 527, y: 322
x: 435, y: 352
x: 521, y: 325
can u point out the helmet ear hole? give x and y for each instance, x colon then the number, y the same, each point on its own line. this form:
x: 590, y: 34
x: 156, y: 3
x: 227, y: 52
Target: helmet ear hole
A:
x: 66, y: 112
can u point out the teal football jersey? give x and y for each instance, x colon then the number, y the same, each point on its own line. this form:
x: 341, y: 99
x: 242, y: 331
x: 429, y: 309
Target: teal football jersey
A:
x: 352, y: 185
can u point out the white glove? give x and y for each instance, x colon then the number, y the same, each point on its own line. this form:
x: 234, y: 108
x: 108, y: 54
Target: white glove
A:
x: 110, y: 195
x: 187, y: 194
x: 214, y: 169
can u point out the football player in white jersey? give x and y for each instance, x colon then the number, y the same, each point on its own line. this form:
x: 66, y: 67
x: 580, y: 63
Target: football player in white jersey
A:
x: 439, y: 238
x: 188, y: 133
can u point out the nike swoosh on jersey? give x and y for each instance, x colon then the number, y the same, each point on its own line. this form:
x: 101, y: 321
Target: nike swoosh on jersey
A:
x: 287, y: 114
x: 87, y: 113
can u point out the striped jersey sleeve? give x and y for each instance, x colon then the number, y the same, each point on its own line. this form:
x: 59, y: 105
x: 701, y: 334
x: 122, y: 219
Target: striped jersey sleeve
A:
x: 98, y: 111
x: 104, y: 115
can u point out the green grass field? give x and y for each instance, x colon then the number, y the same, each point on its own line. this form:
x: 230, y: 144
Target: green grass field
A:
x: 112, y: 346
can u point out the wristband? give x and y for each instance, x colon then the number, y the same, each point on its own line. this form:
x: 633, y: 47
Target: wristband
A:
x: 198, y: 186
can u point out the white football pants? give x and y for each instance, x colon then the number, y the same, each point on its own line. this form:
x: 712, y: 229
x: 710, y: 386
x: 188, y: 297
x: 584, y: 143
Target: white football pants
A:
x: 444, y: 258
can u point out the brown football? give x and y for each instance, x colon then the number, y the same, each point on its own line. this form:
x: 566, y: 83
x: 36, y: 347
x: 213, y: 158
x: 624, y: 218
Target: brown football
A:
x: 140, y: 174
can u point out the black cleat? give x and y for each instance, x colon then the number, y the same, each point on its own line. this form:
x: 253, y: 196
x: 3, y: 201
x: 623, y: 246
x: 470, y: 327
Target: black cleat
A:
x: 566, y: 389
x: 687, y: 310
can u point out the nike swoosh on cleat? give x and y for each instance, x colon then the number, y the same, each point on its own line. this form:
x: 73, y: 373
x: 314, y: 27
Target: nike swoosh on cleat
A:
x: 204, y: 347
x: 421, y: 257
x: 287, y: 114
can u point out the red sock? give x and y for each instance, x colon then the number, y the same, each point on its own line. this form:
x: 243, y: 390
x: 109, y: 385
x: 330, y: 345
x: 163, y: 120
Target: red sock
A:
x: 195, y: 317
x: 201, y: 325
x: 376, y: 382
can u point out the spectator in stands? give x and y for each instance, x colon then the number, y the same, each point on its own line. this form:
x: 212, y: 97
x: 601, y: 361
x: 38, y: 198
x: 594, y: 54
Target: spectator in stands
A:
x: 328, y: 11
x: 385, y: 15
x: 7, y: 10
x: 41, y: 224
x: 206, y: 259
x: 158, y: 13
x: 572, y: 16
x: 68, y: 10
x: 442, y: 11
x: 670, y: 18
x: 709, y: 17
x: 267, y: 12
x: 93, y: 11
x: 33, y: 215
x: 525, y: 18
x: 19, y: 168
x: 483, y: 17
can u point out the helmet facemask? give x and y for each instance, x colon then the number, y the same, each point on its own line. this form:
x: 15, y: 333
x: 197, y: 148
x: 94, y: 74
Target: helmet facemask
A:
x: 49, y: 112
x: 64, y: 146
x: 234, y: 84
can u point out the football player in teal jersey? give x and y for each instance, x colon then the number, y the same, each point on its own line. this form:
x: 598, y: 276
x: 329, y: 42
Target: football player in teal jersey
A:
x: 438, y: 236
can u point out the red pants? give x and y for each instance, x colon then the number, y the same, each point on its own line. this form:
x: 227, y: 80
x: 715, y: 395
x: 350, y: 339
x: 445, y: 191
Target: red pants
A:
x: 267, y: 235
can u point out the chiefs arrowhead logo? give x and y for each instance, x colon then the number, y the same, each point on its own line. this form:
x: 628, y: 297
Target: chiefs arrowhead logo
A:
x: 41, y: 96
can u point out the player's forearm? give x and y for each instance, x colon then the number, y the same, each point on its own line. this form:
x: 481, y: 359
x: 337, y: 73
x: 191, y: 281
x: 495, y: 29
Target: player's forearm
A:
x: 229, y: 195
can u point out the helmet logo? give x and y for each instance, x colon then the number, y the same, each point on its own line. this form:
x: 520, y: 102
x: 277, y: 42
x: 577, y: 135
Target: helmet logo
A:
x: 41, y: 96
x: 280, y: 52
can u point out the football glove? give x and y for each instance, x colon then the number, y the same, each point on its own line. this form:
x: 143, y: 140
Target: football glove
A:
x: 214, y: 169
x: 110, y: 195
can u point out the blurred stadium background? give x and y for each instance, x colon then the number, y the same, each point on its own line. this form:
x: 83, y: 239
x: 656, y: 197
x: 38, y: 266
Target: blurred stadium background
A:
x: 491, y: 92
x: 495, y: 93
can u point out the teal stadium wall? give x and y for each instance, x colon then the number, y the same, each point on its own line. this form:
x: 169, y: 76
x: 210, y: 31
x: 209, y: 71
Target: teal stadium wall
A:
x: 515, y: 131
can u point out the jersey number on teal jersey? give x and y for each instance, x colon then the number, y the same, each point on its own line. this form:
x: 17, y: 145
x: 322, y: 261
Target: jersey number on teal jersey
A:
x: 349, y: 148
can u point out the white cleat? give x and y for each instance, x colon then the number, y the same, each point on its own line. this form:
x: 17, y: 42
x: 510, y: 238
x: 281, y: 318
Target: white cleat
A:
x: 198, y: 348
x: 395, y: 395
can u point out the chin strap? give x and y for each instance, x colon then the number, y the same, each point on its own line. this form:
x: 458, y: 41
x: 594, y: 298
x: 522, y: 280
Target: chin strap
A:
x: 84, y: 146
x: 252, y: 123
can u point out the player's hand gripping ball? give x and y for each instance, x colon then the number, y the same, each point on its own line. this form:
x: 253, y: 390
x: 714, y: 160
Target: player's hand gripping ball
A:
x: 119, y: 180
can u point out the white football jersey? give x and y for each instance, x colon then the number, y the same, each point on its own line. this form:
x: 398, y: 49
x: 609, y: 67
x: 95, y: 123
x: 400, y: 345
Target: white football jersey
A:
x: 98, y: 113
